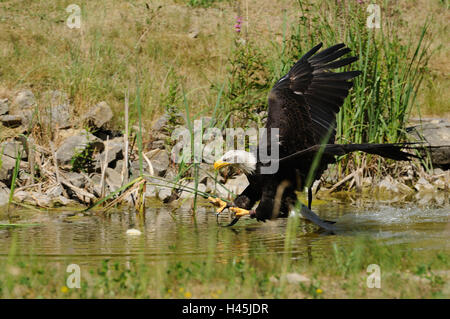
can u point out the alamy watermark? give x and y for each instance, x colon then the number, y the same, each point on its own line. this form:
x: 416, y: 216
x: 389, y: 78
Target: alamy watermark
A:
x: 374, y: 19
x: 207, y: 145
x: 374, y: 279
x: 74, y: 279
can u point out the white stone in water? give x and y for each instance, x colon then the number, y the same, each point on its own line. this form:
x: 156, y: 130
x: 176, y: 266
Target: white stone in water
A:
x: 133, y: 232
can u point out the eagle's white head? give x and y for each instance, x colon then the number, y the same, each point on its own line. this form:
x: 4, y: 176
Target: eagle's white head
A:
x: 239, y: 159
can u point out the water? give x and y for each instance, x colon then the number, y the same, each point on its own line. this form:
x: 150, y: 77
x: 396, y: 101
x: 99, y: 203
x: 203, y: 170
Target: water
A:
x: 179, y: 235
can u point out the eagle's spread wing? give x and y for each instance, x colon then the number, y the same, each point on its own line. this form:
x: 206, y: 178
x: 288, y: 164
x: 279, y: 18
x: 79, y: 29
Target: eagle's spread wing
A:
x: 303, y: 104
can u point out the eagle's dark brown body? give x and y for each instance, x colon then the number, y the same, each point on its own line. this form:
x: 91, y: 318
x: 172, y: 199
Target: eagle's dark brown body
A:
x: 303, y: 106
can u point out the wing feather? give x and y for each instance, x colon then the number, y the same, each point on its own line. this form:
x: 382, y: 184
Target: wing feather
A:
x: 319, y: 94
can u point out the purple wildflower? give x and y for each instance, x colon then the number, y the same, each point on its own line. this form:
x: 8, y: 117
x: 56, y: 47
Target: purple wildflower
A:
x: 237, y: 26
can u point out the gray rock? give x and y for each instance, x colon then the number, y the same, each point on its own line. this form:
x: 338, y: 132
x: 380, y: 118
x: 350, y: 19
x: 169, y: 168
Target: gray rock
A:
x: 99, y: 115
x: 23, y: 106
x: 150, y: 191
x: 164, y: 193
x: 4, y: 194
x: 4, y: 106
x: 6, y: 168
x: 189, y: 193
x: 158, y: 144
x: 238, y: 184
x: 96, y: 185
x: 62, y: 201
x: 75, y: 144
x: 115, y: 152
x: 57, y: 113
x: 205, y: 171
x: 11, y: 149
x: 436, y: 132
x: 76, y: 179
x: 423, y: 185
x: 171, y: 173
x: 159, y: 160
x: 25, y: 100
x: 113, y: 179
x: 39, y: 199
x: 55, y: 191
x: 160, y: 123
x: 388, y: 184
x: 11, y: 121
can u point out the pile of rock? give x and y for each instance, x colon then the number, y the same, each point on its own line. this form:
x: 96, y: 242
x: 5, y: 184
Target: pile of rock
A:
x: 83, y: 166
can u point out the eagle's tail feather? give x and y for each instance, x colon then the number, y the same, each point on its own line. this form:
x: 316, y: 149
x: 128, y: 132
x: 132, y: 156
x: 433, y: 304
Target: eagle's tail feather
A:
x: 393, y: 151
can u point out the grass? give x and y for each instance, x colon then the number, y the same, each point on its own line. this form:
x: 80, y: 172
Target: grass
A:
x: 147, y: 49
x: 98, y: 61
x: 342, y: 274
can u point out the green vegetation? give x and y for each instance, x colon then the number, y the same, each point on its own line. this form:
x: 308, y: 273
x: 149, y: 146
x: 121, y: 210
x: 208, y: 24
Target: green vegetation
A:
x: 405, y: 273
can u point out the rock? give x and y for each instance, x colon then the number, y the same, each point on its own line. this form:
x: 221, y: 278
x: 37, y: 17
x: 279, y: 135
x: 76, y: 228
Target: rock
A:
x: 55, y: 191
x: 57, y: 113
x: 99, y: 115
x: 4, y: 194
x: 11, y: 149
x: 423, y: 185
x: 436, y: 132
x: 96, y: 185
x: 4, y: 106
x: 295, y: 278
x: 238, y: 184
x: 164, y: 193
x: 23, y: 106
x: 6, y: 168
x: 217, y: 189
x: 76, y: 179
x: 189, y: 193
x: 331, y: 174
x: 171, y: 173
x: 115, y: 152
x: 158, y: 144
x: 62, y: 201
x: 441, y: 184
x: 193, y: 34
x: 74, y: 145
x: 133, y: 232
x: 113, y: 179
x: 160, y: 123
x: 25, y: 100
x: 150, y: 191
x: 11, y: 121
x: 159, y: 160
x: 21, y: 196
x: 424, y: 198
x: 205, y: 173
x: 39, y: 199
x: 388, y: 184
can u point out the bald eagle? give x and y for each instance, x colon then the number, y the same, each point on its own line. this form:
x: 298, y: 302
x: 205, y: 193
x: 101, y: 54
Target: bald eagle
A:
x: 303, y: 105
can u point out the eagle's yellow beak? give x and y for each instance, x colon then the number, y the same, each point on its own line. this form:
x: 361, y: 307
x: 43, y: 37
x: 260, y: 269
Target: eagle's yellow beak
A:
x: 219, y: 164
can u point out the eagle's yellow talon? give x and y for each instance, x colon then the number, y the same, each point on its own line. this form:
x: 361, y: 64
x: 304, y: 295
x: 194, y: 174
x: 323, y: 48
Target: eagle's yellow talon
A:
x: 239, y: 212
x: 218, y: 203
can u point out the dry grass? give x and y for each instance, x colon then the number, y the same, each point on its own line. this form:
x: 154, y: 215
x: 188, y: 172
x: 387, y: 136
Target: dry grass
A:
x: 124, y: 42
